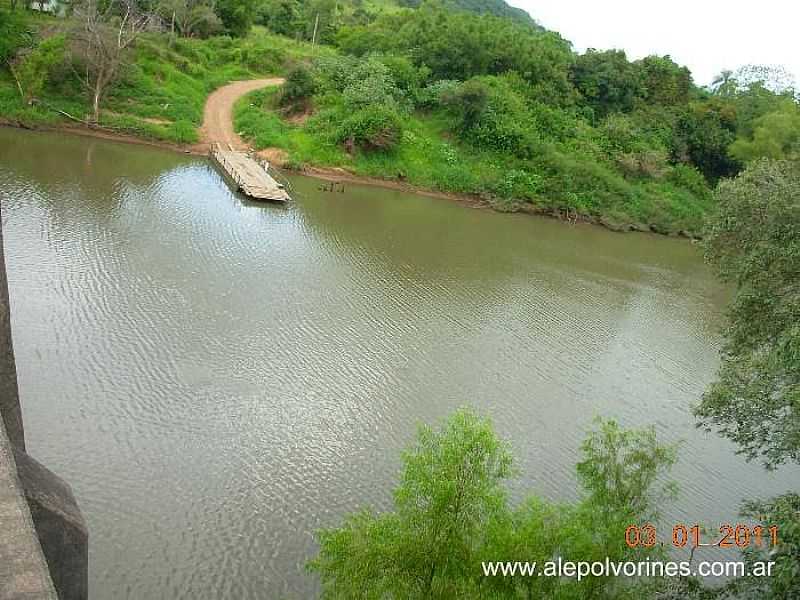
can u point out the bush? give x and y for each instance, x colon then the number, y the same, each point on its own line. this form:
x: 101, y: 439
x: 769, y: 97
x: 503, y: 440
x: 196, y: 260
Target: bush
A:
x: 689, y: 178
x: 434, y: 94
x: 14, y: 34
x: 371, y: 83
x: 372, y: 128
x: 299, y: 86
x: 37, y: 66
x: 332, y: 73
x: 493, y: 116
x: 644, y: 163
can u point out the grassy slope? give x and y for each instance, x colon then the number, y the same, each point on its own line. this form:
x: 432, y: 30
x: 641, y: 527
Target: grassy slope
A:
x: 428, y: 157
x: 162, y: 93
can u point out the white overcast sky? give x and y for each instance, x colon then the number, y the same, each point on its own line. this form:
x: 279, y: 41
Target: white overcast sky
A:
x: 705, y: 35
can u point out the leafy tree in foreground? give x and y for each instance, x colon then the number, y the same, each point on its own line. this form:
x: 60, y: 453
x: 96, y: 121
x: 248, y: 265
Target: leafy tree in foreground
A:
x: 451, y: 513
x: 784, y: 581
x: 754, y: 242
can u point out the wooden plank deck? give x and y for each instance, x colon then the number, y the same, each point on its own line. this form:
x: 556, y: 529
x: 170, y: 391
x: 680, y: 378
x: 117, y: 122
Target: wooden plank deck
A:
x: 250, y: 176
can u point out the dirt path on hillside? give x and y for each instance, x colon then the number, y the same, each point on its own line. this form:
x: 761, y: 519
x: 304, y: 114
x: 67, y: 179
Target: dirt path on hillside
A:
x: 218, y: 113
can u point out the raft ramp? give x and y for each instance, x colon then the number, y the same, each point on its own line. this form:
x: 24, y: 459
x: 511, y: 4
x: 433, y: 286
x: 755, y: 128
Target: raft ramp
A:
x: 250, y: 176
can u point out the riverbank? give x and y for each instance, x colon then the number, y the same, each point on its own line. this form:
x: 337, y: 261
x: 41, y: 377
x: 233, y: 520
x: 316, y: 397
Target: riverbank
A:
x: 336, y: 175
x: 168, y: 97
x: 427, y: 157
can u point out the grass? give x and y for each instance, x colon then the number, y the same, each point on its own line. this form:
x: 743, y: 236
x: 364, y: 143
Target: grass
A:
x: 559, y: 180
x: 161, y: 93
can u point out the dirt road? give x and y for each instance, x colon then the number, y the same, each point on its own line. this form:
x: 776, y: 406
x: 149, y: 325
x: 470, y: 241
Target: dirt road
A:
x: 218, y: 113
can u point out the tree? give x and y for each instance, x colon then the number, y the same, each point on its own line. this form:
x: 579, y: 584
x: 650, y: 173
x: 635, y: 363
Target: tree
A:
x: 451, y: 514
x: 103, y: 36
x: 448, y: 493
x: 704, y: 134
x: 236, y: 16
x: 298, y: 87
x: 607, y: 81
x: 754, y: 243
x: 783, y: 583
x: 281, y: 16
x: 14, y: 34
x: 665, y: 81
x: 775, y: 135
x: 190, y: 18
x: 724, y: 84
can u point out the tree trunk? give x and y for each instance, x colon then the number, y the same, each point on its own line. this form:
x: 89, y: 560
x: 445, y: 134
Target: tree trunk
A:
x: 98, y: 92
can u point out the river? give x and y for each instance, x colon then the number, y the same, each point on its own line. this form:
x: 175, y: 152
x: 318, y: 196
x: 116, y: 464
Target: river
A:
x: 218, y: 379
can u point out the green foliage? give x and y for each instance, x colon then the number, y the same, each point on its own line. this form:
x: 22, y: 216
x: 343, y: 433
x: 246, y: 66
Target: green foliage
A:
x: 492, y: 115
x: 469, y: 101
x: 782, y: 512
x: 190, y: 17
x: 451, y: 513
x: 455, y: 45
x: 280, y: 16
x: 236, y: 15
x: 704, y: 134
x: 14, y: 34
x: 39, y: 65
x: 754, y: 242
x: 373, y: 127
x: 299, y: 86
x: 369, y: 84
x: 607, y: 81
x: 620, y: 471
x: 665, y: 82
x: 498, y: 8
x: 775, y: 135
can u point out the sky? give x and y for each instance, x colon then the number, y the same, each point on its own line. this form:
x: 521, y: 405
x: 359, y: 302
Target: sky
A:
x: 705, y: 35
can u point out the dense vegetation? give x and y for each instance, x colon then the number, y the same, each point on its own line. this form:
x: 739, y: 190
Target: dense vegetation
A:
x: 466, y: 97
x: 507, y: 110
x: 159, y: 95
x: 452, y: 513
x: 754, y: 242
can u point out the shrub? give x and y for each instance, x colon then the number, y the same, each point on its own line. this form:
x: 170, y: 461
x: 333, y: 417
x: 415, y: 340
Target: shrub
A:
x: 689, y: 178
x: 434, y: 94
x: 14, y: 34
x: 493, y: 116
x: 332, y: 73
x: 372, y: 128
x: 371, y: 83
x: 643, y: 163
x: 299, y: 86
x: 37, y: 66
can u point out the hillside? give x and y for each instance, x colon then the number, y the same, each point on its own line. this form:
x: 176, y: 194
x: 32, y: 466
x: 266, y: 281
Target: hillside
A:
x: 432, y: 97
x: 497, y: 8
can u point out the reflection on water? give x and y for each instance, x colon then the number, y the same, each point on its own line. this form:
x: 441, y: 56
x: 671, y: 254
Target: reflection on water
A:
x: 217, y: 379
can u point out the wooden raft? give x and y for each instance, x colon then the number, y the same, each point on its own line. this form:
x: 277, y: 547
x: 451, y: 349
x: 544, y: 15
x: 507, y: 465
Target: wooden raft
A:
x: 249, y: 175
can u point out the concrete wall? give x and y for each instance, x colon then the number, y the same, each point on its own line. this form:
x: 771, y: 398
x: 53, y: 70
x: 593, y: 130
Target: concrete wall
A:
x: 23, y: 570
x: 44, y: 541
x: 9, y: 394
